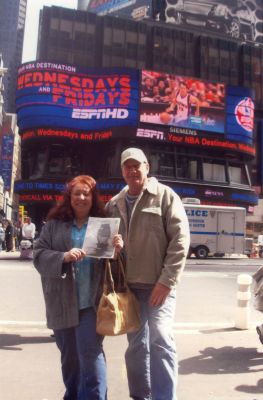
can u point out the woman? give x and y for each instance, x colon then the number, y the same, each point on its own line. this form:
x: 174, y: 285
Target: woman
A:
x: 71, y: 284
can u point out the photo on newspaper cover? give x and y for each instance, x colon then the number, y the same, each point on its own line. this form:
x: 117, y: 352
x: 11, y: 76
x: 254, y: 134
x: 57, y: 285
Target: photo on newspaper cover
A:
x: 99, y: 237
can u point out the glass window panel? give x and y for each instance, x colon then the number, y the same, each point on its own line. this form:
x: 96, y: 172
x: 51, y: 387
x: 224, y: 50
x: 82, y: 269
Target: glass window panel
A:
x: 107, y: 36
x: 118, y: 36
x: 80, y: 26
x: 54, y: 23
x: 188, y: 167
x: 66, y: 26
x: 214, y: 171
x: 161, y: 164
x: 237, y: 174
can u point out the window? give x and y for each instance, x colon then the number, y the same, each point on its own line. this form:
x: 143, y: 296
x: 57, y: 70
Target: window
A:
x: 66, y: 26
x: 50, y: 160
x: 188, y: 167
x: 54, y: 23
x: 162, y: 164
x: 214, y: 171
x: 238, y: 174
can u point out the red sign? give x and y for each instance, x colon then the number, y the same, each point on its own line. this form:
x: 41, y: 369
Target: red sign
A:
x: 214, y: 143
x: 36, y: 197
x: 67, y: 134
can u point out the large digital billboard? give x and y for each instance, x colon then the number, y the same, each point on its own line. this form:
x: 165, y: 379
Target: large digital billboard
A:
x: 179, y: 101
x: 136, y: 9
x: 177, y: 104
x: 6, y: 160
x: 240, y: 19
x: 240, y: 114
x: 55, y: 100
x: 58, y: 95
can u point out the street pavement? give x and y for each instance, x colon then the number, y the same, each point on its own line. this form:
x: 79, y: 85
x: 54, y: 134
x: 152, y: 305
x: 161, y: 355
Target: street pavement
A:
x: 216, y: 361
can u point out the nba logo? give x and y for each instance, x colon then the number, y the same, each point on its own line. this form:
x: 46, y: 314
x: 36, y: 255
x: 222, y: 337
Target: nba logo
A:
x: 244, y: 113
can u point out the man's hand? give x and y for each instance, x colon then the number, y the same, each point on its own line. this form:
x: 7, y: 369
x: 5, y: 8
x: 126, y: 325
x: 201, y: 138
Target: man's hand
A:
x: 159, y: 294
x: 117, y: 243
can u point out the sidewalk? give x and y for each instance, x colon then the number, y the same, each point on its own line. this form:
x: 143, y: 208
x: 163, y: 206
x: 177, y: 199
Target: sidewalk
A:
x: 10, y: 255
x: 214, y: 364
x: 216, y: 361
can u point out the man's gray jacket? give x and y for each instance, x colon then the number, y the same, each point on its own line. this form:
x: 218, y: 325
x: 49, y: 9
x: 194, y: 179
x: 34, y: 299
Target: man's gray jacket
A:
x: 58, y: 277
x: 157, y: 238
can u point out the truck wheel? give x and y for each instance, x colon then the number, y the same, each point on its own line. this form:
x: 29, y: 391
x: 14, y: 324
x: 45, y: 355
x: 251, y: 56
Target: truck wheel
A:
x: 190, y: 252
x: 201, y: 252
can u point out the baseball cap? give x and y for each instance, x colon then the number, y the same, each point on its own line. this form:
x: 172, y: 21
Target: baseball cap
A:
x: 133, y: 153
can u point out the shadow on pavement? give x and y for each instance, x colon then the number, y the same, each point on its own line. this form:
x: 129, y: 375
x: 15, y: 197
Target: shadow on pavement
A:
x: 230, y: 329
x: 11, y: 341
x: 223, y: 360
x: 251, y: 388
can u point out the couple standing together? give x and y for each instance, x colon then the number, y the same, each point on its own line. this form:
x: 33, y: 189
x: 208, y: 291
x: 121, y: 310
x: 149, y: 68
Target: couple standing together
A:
x: 154, y: 236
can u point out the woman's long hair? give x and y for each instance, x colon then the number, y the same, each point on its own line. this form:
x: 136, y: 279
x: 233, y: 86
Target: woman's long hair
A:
x: 63, y: 210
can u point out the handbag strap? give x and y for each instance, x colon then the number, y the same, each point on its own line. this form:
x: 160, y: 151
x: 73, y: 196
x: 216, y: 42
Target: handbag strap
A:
x: 108, y: 273
x: 121, y: 271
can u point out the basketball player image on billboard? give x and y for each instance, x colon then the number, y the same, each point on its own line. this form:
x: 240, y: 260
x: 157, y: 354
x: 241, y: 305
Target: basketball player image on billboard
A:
x: 182, y: 101
x: 181, y: 107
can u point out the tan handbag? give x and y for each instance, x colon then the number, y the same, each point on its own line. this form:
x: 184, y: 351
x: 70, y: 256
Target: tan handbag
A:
x: 118, y: 312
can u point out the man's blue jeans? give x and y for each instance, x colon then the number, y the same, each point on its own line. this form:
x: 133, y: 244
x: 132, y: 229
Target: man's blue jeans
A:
x: 82, y: 359
x: 151, y: 357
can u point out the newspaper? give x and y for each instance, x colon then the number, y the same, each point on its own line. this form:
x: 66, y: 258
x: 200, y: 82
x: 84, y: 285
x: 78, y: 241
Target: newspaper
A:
x: 99, y: 236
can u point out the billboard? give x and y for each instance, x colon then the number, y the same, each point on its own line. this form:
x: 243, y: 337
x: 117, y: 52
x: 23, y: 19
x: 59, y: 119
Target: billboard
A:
x: 49, y: 191
x: 172, y: 100
x: 136, y: 9
x: 83, y: 4
x: 64, y: 96
x: 6, y: 160
x: 240, y: 114
x: 240, y: 19
x: 57, y: 100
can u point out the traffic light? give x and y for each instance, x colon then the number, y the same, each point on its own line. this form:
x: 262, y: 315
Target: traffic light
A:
x: 21, y: 212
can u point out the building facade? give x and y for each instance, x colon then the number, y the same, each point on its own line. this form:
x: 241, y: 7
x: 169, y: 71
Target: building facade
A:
x: 12, y: 24
x: 10, y: 166
x: 212, y: 165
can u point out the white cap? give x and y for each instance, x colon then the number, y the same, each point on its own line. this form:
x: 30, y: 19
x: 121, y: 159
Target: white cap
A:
x: 134, y: 154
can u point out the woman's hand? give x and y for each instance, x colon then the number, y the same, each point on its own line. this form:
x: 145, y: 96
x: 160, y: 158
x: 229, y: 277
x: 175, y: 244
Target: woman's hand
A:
x: 74, y: 254
x: 117, y: 243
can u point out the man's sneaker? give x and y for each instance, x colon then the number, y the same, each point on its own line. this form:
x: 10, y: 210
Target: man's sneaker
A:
x: 260, y: 333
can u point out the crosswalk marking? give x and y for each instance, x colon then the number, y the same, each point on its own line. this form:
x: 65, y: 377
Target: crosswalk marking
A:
x: 180, y: 328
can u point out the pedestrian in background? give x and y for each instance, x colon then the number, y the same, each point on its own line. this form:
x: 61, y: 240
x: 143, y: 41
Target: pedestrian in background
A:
x: 72, y: 284
x: 2, y: 237
x: 28, y: 229
x: 18, y: 233
x: 9, y: 234
x: 155, y: 229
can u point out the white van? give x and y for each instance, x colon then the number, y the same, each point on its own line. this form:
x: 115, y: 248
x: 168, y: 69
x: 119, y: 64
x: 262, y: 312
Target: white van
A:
x: 216, y: 229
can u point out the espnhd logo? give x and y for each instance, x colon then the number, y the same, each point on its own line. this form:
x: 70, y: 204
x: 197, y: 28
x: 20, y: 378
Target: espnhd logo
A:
x: 244, y: 112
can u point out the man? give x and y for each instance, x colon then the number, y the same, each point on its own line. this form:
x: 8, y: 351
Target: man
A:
x: 28, y: 229
x: 156, y: 237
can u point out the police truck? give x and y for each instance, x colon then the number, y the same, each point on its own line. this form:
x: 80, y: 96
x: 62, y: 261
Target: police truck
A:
x: 216, y: 230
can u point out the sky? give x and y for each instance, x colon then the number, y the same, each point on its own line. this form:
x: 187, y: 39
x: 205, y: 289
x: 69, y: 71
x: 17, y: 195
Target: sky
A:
x: 32, y: 20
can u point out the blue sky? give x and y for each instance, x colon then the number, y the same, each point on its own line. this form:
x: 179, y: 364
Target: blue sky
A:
x: 31, y: 28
